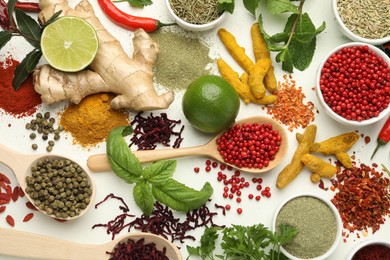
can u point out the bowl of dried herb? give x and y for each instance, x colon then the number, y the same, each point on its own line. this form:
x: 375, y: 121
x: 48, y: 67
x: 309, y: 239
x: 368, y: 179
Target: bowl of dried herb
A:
x: 363, y: 21
x: 200, y: 15
x: 318, y: 225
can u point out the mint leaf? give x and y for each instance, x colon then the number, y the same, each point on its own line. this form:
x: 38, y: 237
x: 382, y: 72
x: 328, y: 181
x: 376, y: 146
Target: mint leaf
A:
x: 180, y: 197
x: 159, y: 172
x: 123, y: 162
x: 5, y: 37
x: 251, y: 5
x: 281, y: 6
x: 23, y: 70
x: 143, y: 197
x: 302, y: 54
x: 29, y: 28
x: 226, y: 5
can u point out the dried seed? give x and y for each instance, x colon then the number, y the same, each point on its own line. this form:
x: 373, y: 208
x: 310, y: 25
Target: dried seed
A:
x: 4, y: 178
x: 28, y: 217
x: 10, y: 220
x: 15, y: 194
x: 2, y: 208
x: 30, y: 206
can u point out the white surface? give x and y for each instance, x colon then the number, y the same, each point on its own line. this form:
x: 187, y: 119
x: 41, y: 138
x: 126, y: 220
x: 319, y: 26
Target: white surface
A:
x: 16, y: 137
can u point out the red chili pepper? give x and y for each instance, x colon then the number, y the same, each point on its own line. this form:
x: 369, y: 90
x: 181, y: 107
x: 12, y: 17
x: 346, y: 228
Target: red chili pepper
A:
x: 27, y: 6
x: 127, y: 21
x: 384, y: 136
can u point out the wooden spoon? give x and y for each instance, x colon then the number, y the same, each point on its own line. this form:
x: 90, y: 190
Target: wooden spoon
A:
x: 99, y: 162
x: 21, y: 165
x: 30, y: 245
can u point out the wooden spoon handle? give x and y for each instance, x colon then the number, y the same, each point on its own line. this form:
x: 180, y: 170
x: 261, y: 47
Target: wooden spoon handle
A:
x: 30, y: 245
x: 100, y: 163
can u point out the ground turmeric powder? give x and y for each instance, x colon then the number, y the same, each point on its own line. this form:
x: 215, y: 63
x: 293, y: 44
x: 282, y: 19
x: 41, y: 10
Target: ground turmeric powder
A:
x: 92, y: 119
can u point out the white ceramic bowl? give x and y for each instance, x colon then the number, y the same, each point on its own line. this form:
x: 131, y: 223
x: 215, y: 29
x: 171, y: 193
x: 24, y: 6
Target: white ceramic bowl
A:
x: 328, y: 110
x: 348, y: 33
x: 338, y: 221
x: 367, y: 243
x: 195, y: 27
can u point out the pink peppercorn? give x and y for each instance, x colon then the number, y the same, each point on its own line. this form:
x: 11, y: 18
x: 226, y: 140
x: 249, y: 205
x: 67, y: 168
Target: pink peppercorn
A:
x: 196, y: 169
x: 355, y: 83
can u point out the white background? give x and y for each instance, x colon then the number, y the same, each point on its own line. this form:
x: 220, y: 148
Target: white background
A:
x: 80, y: 230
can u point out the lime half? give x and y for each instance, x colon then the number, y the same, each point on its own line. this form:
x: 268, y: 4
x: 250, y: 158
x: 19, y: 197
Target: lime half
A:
x: 69, y: 44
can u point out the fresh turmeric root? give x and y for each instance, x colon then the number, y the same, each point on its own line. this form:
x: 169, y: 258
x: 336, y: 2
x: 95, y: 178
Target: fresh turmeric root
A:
x: 256, y: 77
x: 111, y: 71
x: 319, y: 167
x: 337, y: 145
x: 292, y: 170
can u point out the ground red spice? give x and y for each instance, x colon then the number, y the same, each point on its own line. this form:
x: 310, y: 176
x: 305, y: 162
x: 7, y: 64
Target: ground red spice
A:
x: 289, y: 108
x: 19, y: 103
x: 370, y: 252
x: 362, y: 198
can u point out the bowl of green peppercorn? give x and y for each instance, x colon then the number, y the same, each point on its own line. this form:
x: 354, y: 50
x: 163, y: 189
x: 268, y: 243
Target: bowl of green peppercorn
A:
x: 318, y: 226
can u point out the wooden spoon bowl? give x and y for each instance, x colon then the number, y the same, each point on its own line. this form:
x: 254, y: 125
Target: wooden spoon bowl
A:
x: 21, y: 165
x: 31, y: 245
x: 99, y: 162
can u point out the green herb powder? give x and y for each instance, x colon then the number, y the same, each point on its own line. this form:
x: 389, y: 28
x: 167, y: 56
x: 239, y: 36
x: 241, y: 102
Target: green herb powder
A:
x: 316, y: 225
x: 181, y: 60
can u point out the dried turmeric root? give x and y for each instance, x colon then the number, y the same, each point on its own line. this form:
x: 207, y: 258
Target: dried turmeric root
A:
x: 261, y: 51
x: 111, y: 71
x: 256, y: 77
x: 319, y: 167
x: 337, y: 145
x: 243, y: 89
x: 292, y: 170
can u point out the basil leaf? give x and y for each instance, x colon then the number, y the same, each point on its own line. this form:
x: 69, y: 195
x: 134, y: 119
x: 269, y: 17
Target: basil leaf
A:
x: 159, y: 172
x: 143, y: 197
x: 251, y: 5
x: 22, y: 71
x: 11, y: 8
x: 29, y: 28
x: 281, y: 6
x: 123, y: 162
x: 226, y: 5
x: 5, y: 37
x: 180, y: 197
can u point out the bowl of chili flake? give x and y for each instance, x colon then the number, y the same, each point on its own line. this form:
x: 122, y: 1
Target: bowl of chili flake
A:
x: 370, y: 249
x: 197, y: 16
x: 353, y: 84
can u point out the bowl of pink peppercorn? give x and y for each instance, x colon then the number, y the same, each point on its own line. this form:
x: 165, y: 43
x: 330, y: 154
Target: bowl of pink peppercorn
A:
x: 353, y: 84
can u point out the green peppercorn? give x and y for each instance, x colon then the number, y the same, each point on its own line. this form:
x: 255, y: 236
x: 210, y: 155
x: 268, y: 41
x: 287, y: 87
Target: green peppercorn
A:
x: 47, y: 115
x: 34, y: 146
x: 28, y: 126
x: 61, y: 128
x: 51, y: 143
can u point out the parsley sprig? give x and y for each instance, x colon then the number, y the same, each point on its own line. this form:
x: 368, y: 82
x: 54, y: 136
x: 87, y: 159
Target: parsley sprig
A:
x: 255, y: 242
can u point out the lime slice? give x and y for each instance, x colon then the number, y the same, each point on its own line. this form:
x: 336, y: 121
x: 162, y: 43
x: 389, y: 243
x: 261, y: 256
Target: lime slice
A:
x: 69, y: 44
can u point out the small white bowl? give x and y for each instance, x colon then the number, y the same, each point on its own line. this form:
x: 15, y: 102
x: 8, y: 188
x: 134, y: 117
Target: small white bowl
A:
x: 195, y: 27
x: 328, y: 110
x: 367, y: 243
x: 352, y: 36
x: 338, y: 222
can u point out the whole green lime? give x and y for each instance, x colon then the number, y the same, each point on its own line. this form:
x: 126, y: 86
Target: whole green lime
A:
x: 211, y: 104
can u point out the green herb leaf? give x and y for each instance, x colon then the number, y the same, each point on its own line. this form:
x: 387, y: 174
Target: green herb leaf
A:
x: 143, y: 197
x: 52, y: 18
x: 5, y: 37
x: 180, y: 197
x: 23, y: 70
x: 11, y: 8
x: 207, y: 244
x: 128, y: 130
x: 226, y: 5
x: 123, y: 162
x: 29, y: 28
x: 281, y: 6
x: 251, y: 5
x: 159, y: 172
x: 136, y: 3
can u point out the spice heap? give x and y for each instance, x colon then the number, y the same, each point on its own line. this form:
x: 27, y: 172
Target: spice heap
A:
x: 361, y: 198
x: 289, y: 107
x: 366, y: 18
x: 374, y: 251
x: 152, y: 130
x: 182, y: 59
x: 196, y: 12
x: 92, y: 119
x: 10, y: 194
x: 60, y: 187
x: 355, y: 83
x: 316, y: 225
x: 161, y: 222
x: 44, y: 125
x: 20, y: 103
x: 133, y: 250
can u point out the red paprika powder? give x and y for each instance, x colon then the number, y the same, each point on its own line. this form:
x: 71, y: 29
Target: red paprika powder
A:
x: 19, y: 103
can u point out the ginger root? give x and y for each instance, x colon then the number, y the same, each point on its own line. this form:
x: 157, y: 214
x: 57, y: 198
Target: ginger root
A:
x: 319, y: 167
x: 111, y: 71
x: 337, y: 145
x: 292, y: 170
